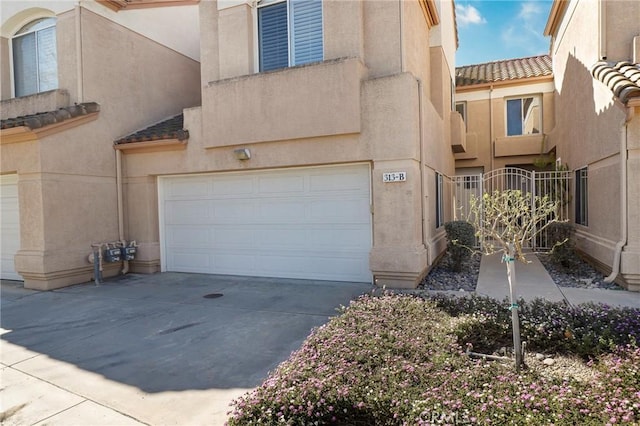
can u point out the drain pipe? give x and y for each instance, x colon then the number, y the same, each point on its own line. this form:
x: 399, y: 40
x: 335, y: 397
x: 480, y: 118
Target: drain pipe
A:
x: 423, y: 201
x: 125, y: 263
x: 615, y: 269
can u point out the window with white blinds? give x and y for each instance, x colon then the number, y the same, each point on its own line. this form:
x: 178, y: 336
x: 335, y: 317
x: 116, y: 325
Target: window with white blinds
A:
x: 35, y: 61
x: 289, y: 33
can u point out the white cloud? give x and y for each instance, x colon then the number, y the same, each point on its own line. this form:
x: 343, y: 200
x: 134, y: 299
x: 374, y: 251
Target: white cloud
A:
x: 529, y: 11
x: 525, y: 30
x: 468, y: 15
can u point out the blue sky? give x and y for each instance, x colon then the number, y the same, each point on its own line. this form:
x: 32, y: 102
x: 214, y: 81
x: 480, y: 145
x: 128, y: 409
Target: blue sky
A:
x: 491, y: 30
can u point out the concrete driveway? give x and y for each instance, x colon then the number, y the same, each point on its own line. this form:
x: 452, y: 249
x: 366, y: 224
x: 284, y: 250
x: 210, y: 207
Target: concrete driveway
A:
x: 151, y: 349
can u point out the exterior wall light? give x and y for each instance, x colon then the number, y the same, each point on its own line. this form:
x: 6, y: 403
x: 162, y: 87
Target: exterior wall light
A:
x: 242, y: 153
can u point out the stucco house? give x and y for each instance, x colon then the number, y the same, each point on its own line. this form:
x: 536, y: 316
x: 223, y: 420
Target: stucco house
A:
x: 304, y: 139
x: 595, y: 47
x: 508, y: 108
x: 74, y: 76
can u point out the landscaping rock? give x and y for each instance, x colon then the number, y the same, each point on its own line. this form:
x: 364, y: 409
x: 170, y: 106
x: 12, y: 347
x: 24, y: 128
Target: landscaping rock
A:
x: 548, y: 361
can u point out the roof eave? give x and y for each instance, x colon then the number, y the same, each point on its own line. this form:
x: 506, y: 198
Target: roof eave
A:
x: 430, y: 12
x: 504, y: 83
x: 558, y: 8
x: 25, y: 134
x: 118, y: 5
x: 152, y: 146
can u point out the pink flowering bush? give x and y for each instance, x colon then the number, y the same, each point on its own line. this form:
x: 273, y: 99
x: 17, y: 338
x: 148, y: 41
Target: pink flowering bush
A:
x: 397, y: 360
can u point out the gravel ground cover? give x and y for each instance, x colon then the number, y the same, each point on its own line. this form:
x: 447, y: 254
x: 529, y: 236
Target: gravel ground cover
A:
x: 582, y: 275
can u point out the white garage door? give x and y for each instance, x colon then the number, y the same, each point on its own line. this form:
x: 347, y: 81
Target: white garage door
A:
x: 312, y: 223
x: 9, y: 227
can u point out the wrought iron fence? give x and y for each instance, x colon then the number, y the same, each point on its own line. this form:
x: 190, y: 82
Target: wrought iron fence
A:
x: 554, y: 184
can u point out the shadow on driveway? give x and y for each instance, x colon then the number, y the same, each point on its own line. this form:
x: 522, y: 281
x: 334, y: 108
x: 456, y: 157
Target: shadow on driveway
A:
x: 159, y: 333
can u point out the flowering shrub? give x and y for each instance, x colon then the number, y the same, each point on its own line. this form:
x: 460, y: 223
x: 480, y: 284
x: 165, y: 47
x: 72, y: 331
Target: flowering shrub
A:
x: 395, y: 360
x: 586, y: 330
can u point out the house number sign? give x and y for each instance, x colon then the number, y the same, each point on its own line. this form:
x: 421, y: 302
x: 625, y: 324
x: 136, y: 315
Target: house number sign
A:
x: 394, y: 177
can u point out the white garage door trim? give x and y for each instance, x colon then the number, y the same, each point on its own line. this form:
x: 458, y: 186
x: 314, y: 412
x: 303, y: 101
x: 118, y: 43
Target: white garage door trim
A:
x: 10, y: 226
x: 308, y: 223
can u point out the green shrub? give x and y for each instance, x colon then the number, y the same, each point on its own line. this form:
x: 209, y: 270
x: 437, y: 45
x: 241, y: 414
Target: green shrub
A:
x: 561, y: 237
x: 461, y: 237
x: 587, y: 330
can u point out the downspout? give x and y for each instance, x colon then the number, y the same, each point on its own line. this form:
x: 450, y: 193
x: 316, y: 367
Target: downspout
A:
x: 423, y: 197
x: 491, y: 144
x: 125, y: 263
x: 615, y: 269
x: 602, y: 30
x: 401, y: 12
x: 79, y: 68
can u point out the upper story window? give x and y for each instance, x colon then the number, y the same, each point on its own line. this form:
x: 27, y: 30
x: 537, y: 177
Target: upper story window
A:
x: 35, y: 60
x: 289, y: 33
x: 524, y: 116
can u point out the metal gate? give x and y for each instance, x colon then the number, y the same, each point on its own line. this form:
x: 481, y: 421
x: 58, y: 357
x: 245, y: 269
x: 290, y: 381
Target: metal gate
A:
x: 555, y: 184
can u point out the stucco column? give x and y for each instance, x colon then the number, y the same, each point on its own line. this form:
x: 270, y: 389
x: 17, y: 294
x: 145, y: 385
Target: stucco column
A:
x: 143, y: 226
x: 398, y: 257
x: 630, y: 261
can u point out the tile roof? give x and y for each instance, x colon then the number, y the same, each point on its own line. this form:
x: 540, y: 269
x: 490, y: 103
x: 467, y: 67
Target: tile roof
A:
x: 507, y: 70
x: 171, y: 128
x: 622, y: 78
x: 42, y: 119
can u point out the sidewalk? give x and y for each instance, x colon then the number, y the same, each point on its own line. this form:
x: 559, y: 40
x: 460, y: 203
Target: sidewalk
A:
x: 533, y: 281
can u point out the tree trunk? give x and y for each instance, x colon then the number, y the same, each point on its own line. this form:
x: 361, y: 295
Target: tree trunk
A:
x: 515, y: 320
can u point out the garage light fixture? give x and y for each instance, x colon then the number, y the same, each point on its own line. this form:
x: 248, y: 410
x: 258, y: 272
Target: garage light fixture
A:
x: 242, y: 153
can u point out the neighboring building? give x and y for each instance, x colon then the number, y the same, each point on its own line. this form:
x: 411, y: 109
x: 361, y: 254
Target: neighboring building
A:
x: 507, y: 108
x: 74, y: 76
x: 595, y: 47
x: 319, y: 148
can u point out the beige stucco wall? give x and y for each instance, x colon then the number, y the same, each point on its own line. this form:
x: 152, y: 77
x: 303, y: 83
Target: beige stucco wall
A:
x: 591, y: 125
x: 355, y: 106
x: 622, y: 25
x: 66, y: 181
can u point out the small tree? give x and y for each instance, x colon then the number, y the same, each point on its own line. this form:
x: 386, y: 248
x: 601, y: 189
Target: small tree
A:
x: 507, y: 221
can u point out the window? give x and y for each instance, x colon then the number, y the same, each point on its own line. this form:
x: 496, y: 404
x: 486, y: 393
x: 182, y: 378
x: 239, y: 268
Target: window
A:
x: 582, y: 197
x: 289, y: 33
x: 461, y: 108
x: 439, y: 201
x: 524, y: 116
x: 35, y: 62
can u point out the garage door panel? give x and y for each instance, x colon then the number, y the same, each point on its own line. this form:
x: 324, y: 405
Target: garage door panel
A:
x: 9, y: 226
x: 233, y: 237
x: 187, y: 212
x: 281, y: 185
x: 279, y: 211
x: 187, y: 188
x: 233, y: 211
x: 190, y: 261
x: 339, y: 182
x: 189, y: 236
x: 339, y: 210
x: 310, y: 223
x: 236, y: 186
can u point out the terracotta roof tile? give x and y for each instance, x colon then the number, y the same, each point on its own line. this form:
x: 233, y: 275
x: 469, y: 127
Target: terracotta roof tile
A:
x: 171, y: 128
x: 622, y: 78
x: 42, y: 119
x: 510, y: 69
